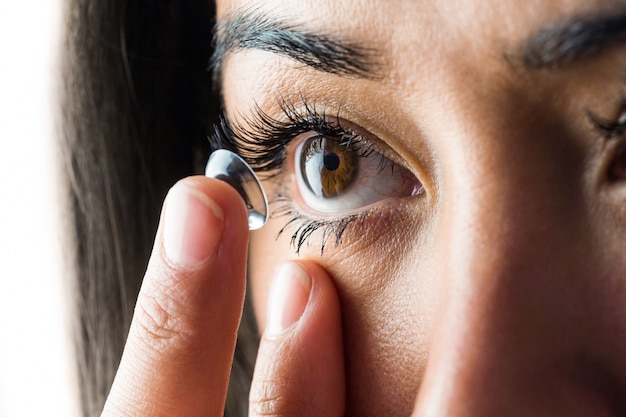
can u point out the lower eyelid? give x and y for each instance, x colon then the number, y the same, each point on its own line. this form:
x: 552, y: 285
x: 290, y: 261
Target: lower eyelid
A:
x: 307, y: 230
x: 352, y: 235
x: 302, y: 226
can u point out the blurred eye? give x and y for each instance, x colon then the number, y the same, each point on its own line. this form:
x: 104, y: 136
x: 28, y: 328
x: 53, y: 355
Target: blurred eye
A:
x: 617, y: 169
x: 335, y: 176
x: 613, y: 129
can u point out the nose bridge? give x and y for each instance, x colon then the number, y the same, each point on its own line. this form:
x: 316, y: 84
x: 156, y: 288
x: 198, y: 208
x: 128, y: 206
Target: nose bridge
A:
x: 506, y: 207
x: 500, y: 218
x: 501, y: 249
x: 504, y: 321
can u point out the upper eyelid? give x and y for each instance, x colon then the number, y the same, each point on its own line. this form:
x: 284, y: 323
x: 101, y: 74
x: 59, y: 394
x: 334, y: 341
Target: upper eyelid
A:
x: 256, y: 134
x: 609, y: 128
x: 334, y: 124
x: 260, y: 135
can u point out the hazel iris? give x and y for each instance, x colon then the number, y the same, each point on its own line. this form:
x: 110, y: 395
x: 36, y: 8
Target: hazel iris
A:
x: 328, y: 166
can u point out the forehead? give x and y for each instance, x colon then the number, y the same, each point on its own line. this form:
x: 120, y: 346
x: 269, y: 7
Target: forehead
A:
x: 394, y: 25
x: 412, y: 39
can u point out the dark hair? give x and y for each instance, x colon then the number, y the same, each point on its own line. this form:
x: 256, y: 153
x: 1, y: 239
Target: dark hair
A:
x: 137, y: 106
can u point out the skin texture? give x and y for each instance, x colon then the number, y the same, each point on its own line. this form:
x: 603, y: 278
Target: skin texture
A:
x: 497, y: 291
x: 180, y: 347
x: 500, y: 290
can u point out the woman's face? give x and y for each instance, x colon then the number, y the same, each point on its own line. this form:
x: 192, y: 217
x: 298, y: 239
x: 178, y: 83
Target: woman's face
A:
x: 463, y: 166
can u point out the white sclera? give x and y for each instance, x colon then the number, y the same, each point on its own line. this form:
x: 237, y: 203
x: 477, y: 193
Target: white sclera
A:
x: 229, y: 167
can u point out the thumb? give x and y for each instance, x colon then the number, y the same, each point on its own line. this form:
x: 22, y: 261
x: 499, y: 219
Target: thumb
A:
x: 300, y: 368
x: 177, y: 358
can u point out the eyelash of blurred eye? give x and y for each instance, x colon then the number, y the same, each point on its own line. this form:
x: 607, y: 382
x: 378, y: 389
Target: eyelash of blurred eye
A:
x: 610, y: 128
x: 262, y: 141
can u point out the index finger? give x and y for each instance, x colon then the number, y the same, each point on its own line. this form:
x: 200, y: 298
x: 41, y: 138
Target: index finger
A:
x: 178, y: 355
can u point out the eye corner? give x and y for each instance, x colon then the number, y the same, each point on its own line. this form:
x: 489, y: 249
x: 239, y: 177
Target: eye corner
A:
x: 616, y: 168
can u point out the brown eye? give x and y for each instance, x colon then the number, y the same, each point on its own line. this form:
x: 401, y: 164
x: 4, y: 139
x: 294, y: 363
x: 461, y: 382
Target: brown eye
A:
x: 336, y: 175
x: 617, y: 170
x: 328, y: 167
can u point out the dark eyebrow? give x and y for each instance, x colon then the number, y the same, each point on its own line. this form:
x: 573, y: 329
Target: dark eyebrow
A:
x: 574, y: 39
x: 253, y: 30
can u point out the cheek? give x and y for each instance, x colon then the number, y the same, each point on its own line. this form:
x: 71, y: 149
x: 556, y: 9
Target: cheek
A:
x: 388, y: 295
x: 370, y: 260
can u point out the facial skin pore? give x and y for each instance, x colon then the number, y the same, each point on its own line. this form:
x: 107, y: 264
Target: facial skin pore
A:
x: 498, y: 290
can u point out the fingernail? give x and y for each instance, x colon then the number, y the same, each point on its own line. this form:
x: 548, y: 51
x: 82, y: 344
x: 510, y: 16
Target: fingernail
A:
x: 192, y: 226
x: 289, y: 295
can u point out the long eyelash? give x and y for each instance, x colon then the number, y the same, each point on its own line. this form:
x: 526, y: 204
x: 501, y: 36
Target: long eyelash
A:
x: 262, y: 141
x: 306, y: 226
x: 610, y: 129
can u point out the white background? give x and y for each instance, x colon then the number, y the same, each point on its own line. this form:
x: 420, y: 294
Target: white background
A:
x: 37, y: 374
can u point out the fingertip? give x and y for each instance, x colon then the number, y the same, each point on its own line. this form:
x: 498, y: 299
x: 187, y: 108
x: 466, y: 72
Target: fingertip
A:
x: 192, y: 226
x: 288, y: 298
x: 200, y: 215
x: 298, y: 288
x: 302, y: 346
x: 225, y: 196
x: 322, y: 316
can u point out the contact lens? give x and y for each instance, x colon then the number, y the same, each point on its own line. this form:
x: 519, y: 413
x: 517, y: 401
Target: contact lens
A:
x: 229, y: 167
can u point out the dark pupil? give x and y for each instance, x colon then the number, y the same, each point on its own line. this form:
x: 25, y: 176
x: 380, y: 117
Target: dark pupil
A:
x: 331, y: 161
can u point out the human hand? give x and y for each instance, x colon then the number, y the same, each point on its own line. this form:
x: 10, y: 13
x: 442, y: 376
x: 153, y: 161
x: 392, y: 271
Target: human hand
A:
x: 179, y: 351
x: 181, y: 341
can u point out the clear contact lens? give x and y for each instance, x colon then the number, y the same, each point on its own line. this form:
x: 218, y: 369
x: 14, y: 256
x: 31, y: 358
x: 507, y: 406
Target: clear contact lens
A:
x: 229, y: 167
